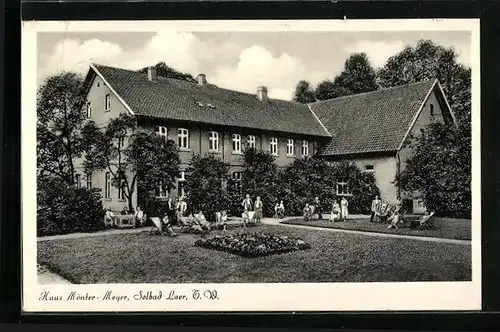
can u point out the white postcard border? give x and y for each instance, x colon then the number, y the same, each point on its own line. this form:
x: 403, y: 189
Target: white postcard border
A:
x: 245, y: 297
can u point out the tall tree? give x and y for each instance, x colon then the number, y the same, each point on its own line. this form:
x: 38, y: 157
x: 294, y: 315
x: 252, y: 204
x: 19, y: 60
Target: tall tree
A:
x: 166, y: 71
x: 440, y: 165
x: 304, y: 93
x: 60, y: 118
x: 358, y: 76
x: 428, y: 61
x: 133, y: 158
x: 326, y: 90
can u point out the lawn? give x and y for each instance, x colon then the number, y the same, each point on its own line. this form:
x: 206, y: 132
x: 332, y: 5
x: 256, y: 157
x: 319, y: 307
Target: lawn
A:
x: 459, y: 229
x: 334, y: 257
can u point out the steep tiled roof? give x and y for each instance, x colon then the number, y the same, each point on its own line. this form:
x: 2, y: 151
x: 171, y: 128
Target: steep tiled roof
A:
x: 370, y: 122
x: 180, y: 100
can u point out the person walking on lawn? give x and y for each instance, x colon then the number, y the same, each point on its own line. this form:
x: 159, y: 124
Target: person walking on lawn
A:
x: 376, y: 204
x: 317, y: 208
x: 344, y: 211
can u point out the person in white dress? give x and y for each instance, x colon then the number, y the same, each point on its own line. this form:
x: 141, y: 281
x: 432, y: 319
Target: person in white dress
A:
x: 344, y: 210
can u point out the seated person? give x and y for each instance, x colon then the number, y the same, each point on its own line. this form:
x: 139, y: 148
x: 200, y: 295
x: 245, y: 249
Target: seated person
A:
x: 109, y: 216
x: 221, y: 220
x: 167, y: 223
x: 202, y: 221
x: 307, y: 212
x: 394, y: 219
x: 140, y: 217
x: 248, y: 217
x: 124, y: 211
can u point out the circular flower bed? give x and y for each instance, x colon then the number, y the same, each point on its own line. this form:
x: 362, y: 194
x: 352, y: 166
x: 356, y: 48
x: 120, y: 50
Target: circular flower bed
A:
x: 253, y: 244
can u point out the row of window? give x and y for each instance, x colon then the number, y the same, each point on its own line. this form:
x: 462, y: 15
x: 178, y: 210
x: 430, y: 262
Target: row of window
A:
x: 214, y: 138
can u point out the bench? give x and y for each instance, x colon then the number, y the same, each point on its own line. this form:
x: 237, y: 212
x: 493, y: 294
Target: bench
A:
x: 120, y: 221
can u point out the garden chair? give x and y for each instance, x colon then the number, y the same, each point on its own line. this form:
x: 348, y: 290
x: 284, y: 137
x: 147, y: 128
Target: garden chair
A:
x: 426, y: 222
x: 157, y: 225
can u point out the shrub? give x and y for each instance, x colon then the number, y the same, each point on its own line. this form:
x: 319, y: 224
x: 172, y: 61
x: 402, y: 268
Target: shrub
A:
x: 205, y: 186
x: 308, y: 178
x: 72, y: 210
x: 440, y: 169
x: 260, y: 178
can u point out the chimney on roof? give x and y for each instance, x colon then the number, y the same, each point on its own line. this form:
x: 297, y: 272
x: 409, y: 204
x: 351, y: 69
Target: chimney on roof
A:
x: 201, y: 79
x: 152, y: 74
x: 262, y: 93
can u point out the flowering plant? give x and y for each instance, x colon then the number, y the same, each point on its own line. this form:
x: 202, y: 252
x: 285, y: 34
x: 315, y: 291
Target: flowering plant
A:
x: 253, y: 244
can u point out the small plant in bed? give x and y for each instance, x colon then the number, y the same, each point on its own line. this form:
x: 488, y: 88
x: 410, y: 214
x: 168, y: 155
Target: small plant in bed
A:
x: 253, y: 244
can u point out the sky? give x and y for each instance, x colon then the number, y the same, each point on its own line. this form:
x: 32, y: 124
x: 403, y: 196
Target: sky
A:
x: 235, y: 60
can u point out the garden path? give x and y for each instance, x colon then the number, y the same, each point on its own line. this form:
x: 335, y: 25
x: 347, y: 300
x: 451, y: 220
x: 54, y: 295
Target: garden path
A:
x: 271, y: 221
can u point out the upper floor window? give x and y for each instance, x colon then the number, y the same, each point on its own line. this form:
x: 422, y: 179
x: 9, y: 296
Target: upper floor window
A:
x: 107, y: 185
x: 251, y: 141
x: 77, y: 181
x: 343, y: 189
x: 432, y: 109
x: 107, y: 102
x: 213, y: 141
x: 369, y: 168
x: 290, y: 149
x: 183, y: 138
x: 89, y: 110
x: 162, y: 131
x: 236, y: 143
x: 121, y: 142
x: 273, y: 146
x: 89, y: 180
x: 305, y: 148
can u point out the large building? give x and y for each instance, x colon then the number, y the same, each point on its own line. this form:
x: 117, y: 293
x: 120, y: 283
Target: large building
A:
x: 204, y: 119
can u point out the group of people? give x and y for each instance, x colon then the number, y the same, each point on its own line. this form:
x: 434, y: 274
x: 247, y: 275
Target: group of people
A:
x: 252, y: 212
x: 385, y: 212
x: 337, y: 211
x: 139, y: 216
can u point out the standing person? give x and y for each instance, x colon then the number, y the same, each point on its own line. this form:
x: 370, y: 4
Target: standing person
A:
x: 247, y: 204
x: 171, y: 210
x: 258, y: 209
x: 307, y: 212
x: 181, y: 208
x: 318, y: 209
x: 282, y: 209
x: 376, y: 204
x: 343, y: 208
x: 335, y: 211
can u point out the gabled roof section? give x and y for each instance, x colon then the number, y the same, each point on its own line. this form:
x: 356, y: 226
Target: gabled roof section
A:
x: 377, y: 121
x: 185, y: 101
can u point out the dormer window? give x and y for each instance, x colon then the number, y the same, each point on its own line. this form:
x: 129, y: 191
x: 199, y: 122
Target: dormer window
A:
x: 210, y: 105
x: 200, y: 103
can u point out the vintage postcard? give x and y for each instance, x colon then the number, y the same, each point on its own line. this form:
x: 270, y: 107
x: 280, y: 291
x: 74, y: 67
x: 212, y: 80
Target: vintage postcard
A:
x: 221, y: 166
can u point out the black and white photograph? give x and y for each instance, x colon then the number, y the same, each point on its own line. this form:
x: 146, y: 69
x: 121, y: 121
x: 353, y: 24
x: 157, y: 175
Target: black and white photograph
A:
x: 301, y: 165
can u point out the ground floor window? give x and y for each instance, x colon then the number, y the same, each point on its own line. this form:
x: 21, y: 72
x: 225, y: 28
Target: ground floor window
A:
x: 181, y: 184
x: 89, y: 181
x: 343, y: 189
x: 161, y: 191
x: 77, y: 181
x: 107, y: 185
